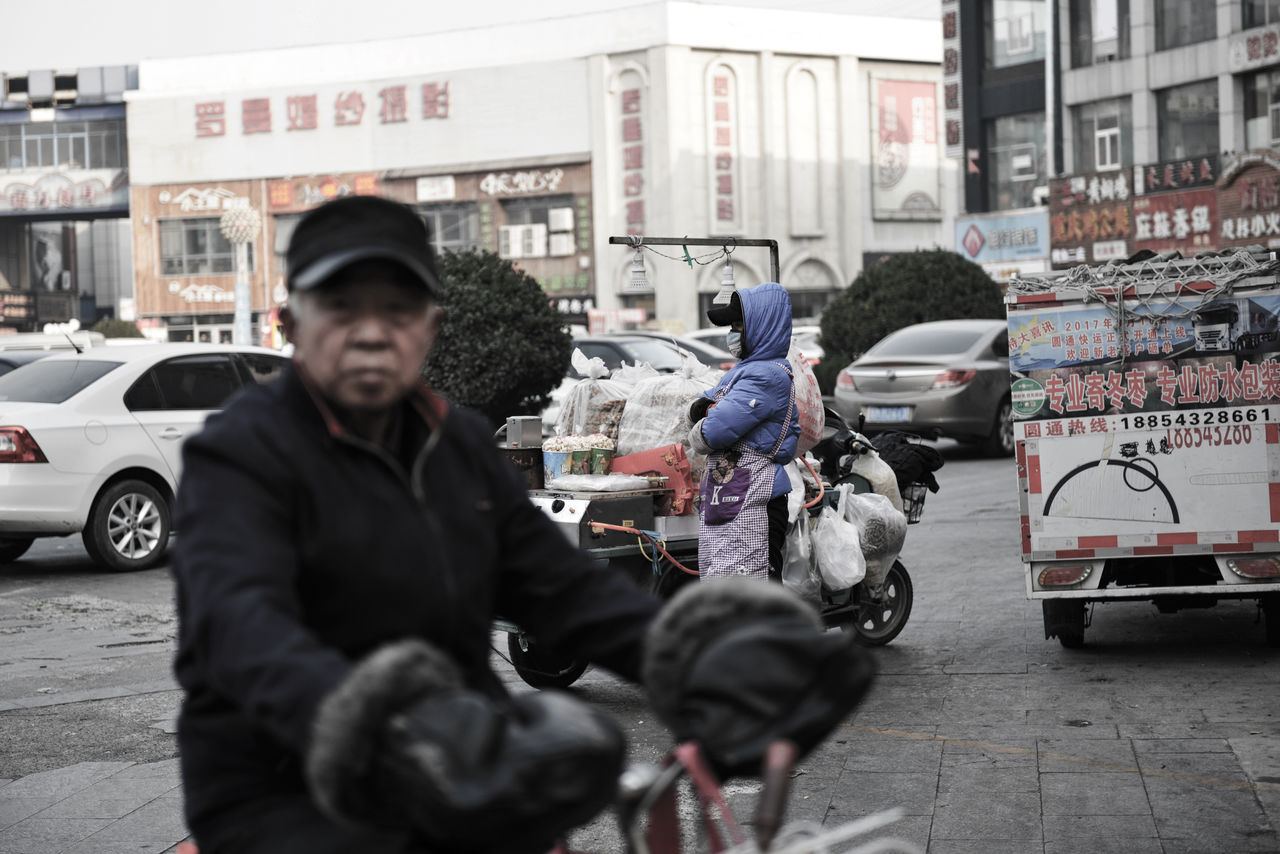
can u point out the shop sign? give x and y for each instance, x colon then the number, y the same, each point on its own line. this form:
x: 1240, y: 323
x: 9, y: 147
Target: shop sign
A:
x: 632, y: 112
x: 905, y: 172
x: 77, y: 190
x: 1003, y: 271
x: 521, y: 183
x: 1249, y: 201
x: 436, y: 188
x: 724, y: 138
x: 1185, y: 174
x: 1256, y: 48
x: 1182, y: 221
x: 306, y: 111
x: 303, y: 193
x: 1090, y: 219
x: 15, y: 305
x: 1003, y: 237
x: 203, y: 199
x: 952, y: 86
x: 201, y: 293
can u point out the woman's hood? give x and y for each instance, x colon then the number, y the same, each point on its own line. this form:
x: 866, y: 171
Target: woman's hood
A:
x: 766, y: 321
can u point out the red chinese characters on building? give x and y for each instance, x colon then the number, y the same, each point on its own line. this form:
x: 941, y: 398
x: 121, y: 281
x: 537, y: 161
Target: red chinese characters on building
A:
x: 255, y: 115
x: 1182, y: 221
x: 348, y: 109
x: 395, y: 105
x: 723, y: 150
x: 1249, y: 201
x: 631, y: 108
x: 280, y: 194
x: 435, y: 100
x: 211, y: 119
x: 301, y: 112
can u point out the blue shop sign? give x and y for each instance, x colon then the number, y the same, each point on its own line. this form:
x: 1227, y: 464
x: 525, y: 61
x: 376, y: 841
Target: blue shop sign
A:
x: 1003, y: 237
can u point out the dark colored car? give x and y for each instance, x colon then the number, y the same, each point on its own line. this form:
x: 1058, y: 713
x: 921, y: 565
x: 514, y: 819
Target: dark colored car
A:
x: 946, y: 378
x: 708, y: 353
x: 11, y: 359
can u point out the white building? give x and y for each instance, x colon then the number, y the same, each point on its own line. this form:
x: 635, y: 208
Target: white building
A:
x: 542, y: 139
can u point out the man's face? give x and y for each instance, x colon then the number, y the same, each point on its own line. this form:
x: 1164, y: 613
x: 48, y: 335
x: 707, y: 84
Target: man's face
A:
x: 364, y: 335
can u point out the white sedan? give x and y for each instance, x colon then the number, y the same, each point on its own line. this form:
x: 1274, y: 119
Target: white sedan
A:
x: 91, y: 442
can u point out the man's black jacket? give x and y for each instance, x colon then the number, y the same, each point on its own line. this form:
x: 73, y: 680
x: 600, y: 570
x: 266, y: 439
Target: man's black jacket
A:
x: 302, y: 548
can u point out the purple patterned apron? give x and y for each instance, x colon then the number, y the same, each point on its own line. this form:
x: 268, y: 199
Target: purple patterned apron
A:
x: 733, y: 537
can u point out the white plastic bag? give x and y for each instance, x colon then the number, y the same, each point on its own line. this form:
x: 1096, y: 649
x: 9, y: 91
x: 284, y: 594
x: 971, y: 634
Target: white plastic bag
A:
x: 837, y: 548
x: 881, y: 531
x: 799, y: 575
x: 809, y: 407
x: 657, y: 412
x: 879, y: 474
x: 596, y: 403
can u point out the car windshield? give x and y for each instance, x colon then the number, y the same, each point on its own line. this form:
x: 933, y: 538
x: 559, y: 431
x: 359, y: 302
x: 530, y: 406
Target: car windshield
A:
x: 659, y: 354
x: 927, y: 341
x: 52, y: 380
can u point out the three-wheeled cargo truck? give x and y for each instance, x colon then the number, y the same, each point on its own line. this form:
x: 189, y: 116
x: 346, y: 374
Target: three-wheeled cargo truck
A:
x: 1148, y: 459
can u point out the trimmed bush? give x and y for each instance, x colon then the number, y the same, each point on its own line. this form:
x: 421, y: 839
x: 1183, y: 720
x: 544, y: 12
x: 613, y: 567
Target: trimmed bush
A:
x: 901, y: 290
x: 502, y: 347
x: 114, y: 327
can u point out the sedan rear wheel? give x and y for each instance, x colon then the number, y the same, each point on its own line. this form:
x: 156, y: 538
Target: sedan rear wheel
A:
x: 12, y: 548
x: 1000, y: 442
x: 128, y: 527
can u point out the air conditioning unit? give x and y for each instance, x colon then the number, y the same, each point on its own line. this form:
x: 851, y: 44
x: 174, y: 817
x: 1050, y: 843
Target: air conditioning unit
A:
x: 522, y: 241
x: 560, y: 219
x: 562, y: 244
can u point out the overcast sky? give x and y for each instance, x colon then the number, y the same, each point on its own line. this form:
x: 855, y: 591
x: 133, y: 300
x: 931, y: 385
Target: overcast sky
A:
x: 90, y: 32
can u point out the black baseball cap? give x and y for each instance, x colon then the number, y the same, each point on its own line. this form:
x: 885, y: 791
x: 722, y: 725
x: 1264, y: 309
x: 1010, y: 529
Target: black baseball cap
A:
x: 359, y: 228
x: 726, y: 315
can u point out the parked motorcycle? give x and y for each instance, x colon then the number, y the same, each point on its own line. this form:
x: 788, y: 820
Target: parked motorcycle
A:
x: 875, y: 613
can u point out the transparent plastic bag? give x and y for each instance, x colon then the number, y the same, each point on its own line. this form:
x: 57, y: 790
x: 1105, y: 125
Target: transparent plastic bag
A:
x: 882, y: 528
x: 799, y: 574
x: 596, y: 403
x: 837, y: 548
x: 657, y: 412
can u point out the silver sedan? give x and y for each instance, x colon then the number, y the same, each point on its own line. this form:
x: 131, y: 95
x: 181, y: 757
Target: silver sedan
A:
x: 945, y: 378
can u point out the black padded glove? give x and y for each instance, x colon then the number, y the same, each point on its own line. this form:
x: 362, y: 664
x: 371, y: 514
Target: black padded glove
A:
x: 739, y: 663
x: 698, y: 409
x: 454, y: 767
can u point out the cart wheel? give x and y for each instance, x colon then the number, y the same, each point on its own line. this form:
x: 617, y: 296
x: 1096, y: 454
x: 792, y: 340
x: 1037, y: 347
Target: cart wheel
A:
x: 1065, y: 619
x: 877, y: 623
x: 539, y: 667
x: 1271, y: 618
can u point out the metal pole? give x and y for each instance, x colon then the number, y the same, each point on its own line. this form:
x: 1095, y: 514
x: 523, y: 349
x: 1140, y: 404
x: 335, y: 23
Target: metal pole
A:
x: 242, y: 331
x: 775, y: 271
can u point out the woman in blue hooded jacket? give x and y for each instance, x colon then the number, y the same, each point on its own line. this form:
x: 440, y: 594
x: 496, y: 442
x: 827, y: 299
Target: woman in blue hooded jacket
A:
x: 748, y: 426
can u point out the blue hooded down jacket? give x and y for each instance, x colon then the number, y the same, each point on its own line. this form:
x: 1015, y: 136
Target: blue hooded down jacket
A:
x: 759, y: 394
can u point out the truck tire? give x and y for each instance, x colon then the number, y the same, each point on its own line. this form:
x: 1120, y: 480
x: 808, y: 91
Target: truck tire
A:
x: 1064, y: 619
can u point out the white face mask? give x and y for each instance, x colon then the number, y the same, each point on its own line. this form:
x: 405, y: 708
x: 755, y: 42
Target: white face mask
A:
x: 733, y: 341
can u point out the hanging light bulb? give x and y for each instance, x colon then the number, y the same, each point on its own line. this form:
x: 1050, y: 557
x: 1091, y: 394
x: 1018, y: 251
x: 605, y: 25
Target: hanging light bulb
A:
x: 727, y: 285
x: 638, y: 280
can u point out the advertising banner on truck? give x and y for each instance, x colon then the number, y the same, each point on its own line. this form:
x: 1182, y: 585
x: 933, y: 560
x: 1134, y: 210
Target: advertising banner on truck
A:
x: 1155, y: 430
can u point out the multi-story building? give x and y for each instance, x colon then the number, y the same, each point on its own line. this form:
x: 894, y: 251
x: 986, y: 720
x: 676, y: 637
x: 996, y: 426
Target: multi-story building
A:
x: 1167, y: 113
x: 541, y: 140
x: 65, y: 238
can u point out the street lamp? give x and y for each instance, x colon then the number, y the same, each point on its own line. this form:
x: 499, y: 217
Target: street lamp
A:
x: 239, y: 225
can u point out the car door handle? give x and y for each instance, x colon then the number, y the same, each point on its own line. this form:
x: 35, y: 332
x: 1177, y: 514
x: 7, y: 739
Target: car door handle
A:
x: 171, y: 433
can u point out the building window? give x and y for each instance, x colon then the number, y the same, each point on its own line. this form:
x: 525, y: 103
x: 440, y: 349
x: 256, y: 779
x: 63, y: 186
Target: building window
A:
x: 63, y: 145
x: 1104, y: 135
x: 537, y: 228
x: 1262, y: 110
x: 455, y: 228
x: 1015, y: 160
x: 192, y: 247
x: 1099, y: 31
x: 1259, y: 13
x: 1187, y: 119
x: 1180, y: 22
x: 1015, y: 31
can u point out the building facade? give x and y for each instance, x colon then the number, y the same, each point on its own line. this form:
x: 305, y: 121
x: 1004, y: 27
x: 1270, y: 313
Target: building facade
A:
x: 821, y: 131
x: 65, y: 236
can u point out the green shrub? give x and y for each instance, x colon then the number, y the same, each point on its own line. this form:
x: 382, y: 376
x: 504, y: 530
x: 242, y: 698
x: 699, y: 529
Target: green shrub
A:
x: 113, y: 327
x: 502, y: 347
x: 912, y: 287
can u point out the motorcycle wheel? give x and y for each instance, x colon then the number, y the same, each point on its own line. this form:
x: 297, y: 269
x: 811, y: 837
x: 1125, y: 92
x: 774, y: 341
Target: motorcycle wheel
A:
x: 877, y: 623
x: 541, y: 668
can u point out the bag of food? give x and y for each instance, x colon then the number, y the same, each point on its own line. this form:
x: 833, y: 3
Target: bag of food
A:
x: 809, y: 407
x: 657, y: 411
x: 595, y: 404
x: 799, y: 574
x: 881, y: 530
x: 836, y: 547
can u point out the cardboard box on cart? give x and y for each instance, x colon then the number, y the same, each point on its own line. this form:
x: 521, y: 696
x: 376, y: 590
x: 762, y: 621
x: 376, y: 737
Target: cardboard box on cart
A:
x: 1148, y: 462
